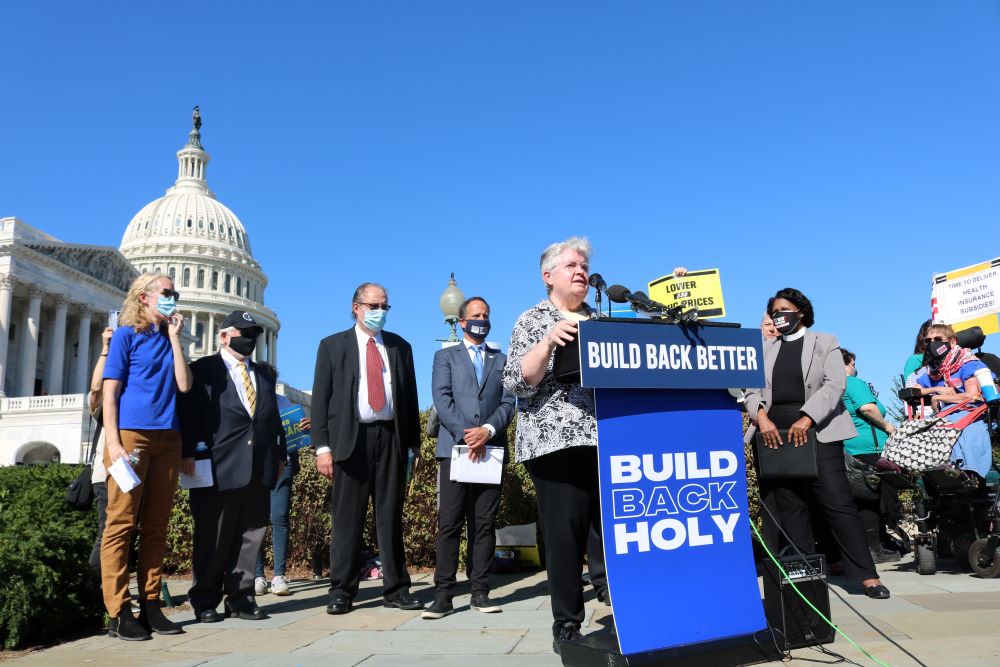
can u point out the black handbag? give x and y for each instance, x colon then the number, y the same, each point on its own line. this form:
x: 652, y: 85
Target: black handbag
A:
x: 80, y: 494
x: 788, y: 461
x: 862, y: 479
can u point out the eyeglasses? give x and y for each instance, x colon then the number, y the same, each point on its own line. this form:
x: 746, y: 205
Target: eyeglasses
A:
x: 374, y: 306
x: 935, y: 339
x: 170, y: 293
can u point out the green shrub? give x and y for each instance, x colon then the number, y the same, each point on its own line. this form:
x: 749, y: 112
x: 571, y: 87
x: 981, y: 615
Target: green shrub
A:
x: 48, y: 587
x: 309, y: 516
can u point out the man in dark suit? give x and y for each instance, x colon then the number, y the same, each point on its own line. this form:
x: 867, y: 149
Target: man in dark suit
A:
x: 231, y: 417
x: 364, y: 419
x: 474, y: 411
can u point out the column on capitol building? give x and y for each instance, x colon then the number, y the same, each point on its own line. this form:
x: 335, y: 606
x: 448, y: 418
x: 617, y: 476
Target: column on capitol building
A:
x: 6, y: 301
x: 29, y: 343
x: 193, y: 316
x: 56, y: 349
x: 81, y: 380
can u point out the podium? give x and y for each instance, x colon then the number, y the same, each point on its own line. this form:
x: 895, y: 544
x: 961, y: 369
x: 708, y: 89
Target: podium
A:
x: 674, y: 514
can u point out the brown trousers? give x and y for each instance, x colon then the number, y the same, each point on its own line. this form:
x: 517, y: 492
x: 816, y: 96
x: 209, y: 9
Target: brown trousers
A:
x: 147, y: 505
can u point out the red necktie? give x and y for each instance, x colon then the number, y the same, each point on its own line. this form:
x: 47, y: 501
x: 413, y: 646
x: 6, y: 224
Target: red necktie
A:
x: 376, y: 386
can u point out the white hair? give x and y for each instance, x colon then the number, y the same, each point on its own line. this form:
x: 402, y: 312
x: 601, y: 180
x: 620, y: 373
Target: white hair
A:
x: 227, y: 330
x: 552, y: 253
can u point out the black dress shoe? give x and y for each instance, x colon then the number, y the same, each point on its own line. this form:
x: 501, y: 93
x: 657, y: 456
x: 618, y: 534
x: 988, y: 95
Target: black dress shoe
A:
x: 403, y: 601
x: 567, y: 632
x: 207, y: 616
x: 151, y: 618
x: 339, y: 604
x: 124, y: 626
x: 877, y: 592
x: 248, y: 611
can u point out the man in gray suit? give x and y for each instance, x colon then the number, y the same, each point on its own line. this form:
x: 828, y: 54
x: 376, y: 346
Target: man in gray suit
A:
x: 474, y: 411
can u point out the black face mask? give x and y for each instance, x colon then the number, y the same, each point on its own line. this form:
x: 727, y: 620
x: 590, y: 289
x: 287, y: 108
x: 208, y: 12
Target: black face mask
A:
x: 243, y: 345
x: 937, y: 350
x: 786, y: 321
x: 477, y: 328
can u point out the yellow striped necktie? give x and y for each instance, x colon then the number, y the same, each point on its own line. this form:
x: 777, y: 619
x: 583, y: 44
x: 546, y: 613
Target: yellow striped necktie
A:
x: 248, y: 387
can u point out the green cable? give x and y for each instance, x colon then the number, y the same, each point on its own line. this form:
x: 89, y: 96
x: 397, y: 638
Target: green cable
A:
x: 807, y: 601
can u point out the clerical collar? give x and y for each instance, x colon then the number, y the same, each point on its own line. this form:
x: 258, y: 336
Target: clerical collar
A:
x: 795, y: 336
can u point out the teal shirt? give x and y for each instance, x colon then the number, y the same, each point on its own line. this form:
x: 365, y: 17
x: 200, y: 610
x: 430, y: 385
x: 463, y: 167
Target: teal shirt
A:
x: 856, y: 394
x: 912, y: 364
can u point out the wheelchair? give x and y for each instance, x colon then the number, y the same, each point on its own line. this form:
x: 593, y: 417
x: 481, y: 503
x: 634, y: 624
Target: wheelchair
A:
x: 957, y: 511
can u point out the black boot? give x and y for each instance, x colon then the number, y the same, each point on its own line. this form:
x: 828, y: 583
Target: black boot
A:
x: 124, y: 626
x: 152, y: 619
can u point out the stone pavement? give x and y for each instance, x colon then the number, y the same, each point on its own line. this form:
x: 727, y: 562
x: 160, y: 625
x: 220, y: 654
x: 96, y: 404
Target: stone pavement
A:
x: 948, y: 619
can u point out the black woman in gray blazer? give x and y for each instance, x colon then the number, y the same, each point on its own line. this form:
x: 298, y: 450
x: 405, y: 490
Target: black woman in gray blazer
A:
x: 805, y: 381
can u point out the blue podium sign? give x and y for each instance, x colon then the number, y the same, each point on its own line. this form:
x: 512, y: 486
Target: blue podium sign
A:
x: 675, y: 519
x: 632, y: 355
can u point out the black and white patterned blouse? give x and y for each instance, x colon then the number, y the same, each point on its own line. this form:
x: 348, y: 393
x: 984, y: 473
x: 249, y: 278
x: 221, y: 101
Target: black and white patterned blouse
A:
x: 554, y: 415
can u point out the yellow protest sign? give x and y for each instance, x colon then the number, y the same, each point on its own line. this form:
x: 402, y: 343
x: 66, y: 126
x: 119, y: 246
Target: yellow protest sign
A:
x: 968, y: 297
x: 695, y: 289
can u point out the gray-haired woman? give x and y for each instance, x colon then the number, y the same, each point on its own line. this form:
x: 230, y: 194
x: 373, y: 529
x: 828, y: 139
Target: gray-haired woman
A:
x: 556, y: 429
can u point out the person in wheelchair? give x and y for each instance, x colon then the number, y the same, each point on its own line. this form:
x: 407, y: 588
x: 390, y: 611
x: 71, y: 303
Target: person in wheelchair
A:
x: 948, y: 377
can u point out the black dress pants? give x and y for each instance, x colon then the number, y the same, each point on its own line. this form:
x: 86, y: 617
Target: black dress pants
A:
x: 876, y: 514
x: 595, y: 560
x: 832, y: 494
x: 461, y: 503
x: 566, y: 484
x: 229, y: 529
x: 375, y: 469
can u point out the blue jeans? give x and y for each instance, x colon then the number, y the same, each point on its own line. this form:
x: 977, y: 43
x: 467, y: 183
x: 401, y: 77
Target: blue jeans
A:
x: 281, y: 501
x: 973, y: 447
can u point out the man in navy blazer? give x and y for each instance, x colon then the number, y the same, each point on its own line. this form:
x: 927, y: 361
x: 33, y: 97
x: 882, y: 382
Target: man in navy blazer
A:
x: 474, y: 411
x: 231, y: 417
x: 364, y: 420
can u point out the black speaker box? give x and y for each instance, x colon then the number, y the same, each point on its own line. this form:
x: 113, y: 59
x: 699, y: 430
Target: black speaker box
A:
x: 795, y: 624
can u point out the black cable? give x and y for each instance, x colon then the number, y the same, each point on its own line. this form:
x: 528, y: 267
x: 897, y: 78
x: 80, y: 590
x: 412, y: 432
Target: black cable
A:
x: 830, y: 588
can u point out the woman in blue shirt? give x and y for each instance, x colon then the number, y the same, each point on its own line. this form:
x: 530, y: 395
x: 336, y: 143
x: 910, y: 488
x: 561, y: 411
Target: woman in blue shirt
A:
x: 144, y: 371
x: 949, y: 378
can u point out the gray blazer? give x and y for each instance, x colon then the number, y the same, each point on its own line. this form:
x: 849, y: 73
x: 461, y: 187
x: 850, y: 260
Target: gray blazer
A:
x: 461, y: 403
x: 825, y: 377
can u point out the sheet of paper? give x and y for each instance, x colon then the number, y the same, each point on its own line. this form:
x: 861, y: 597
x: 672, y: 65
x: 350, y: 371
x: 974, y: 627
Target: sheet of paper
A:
x: 484, y: 471
x: 124, y: 476
x: 202, y: 476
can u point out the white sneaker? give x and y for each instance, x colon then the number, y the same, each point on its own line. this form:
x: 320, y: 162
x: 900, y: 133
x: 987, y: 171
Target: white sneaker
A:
x: 279, y: 586
x: 260, y: 586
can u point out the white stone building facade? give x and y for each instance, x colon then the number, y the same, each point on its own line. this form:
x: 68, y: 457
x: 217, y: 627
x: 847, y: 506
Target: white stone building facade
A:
x: 55, y: 298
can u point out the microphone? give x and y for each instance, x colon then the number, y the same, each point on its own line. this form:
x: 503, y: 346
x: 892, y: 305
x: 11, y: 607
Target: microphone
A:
x: 639, y: 300
x: 619, y: 294
x: 597, y: 282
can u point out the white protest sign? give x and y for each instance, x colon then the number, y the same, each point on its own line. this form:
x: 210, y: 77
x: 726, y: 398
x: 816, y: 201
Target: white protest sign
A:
x: 968, y: 297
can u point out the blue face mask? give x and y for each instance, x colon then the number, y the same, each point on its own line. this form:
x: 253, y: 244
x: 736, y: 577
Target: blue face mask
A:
x: 166, y: 305
x: 375, y: 319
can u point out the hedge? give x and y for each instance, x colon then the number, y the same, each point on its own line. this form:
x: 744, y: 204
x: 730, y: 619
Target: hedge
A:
x: 47, y: 587
x: 309, y: 516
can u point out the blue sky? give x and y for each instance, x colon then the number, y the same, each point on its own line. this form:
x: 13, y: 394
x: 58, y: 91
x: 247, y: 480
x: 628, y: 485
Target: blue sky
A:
x: 848, y: 149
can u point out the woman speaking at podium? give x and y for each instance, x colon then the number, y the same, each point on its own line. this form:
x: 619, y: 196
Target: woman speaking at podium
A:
x: 556, y: 429
x: 805, y: 379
